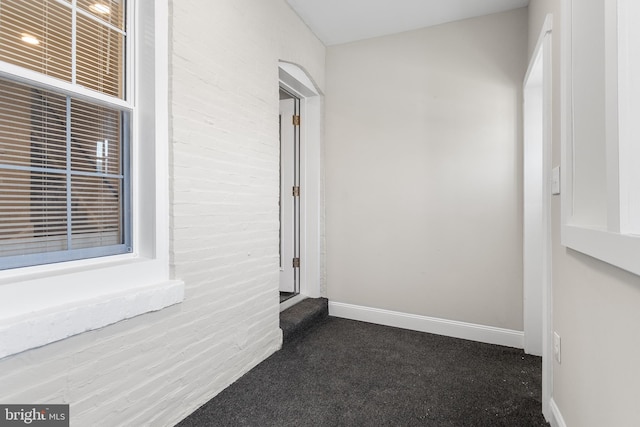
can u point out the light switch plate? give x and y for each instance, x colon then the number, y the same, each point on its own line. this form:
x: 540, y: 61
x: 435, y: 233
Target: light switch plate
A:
x: 555, y: 180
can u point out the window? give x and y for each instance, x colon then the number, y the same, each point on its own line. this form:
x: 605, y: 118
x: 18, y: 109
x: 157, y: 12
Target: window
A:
x: 64, y: 132
x: 601, y: 133
x: 50, y: 301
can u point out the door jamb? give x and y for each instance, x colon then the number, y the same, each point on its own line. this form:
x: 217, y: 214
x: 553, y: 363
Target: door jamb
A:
x: 544, y: 46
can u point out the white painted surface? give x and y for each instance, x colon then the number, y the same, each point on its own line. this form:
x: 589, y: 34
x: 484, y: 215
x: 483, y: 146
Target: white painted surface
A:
x: 156, y: 368
x: 556, y: 417
x: 312, y: 270
x: 340, y: 21
x: 628, y: 99
x: 612, y: 124
x: 90, y: 307
x: 555, y: 181
x: 543, y: 267
x: 535, y: 232
x: 589, y: 190
x: 538, y: 300
x: 423, y: 161
x: 298, y: 80
x: 595, y: 305
x: 557, y: 354
x: 287, y: 159
x: 450, y: 328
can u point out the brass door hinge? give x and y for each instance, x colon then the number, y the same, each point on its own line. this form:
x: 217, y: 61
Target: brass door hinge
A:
x: 296, y: 263
x: 296, y: 191
x: 296, y: 120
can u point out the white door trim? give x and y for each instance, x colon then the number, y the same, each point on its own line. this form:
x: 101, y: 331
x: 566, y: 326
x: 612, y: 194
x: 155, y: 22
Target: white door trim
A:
x: 534, y: 195
x: 288, y: 233
x: 538, y: 311
x: 298, y: 82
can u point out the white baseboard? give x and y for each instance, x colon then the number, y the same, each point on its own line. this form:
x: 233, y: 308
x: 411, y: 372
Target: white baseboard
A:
x: 556, y: 417
x: 451, y: 328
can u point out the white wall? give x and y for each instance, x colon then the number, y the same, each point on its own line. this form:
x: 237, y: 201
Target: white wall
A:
x: 595, y: 306
x: 423, y: 161
x: 157, y: 368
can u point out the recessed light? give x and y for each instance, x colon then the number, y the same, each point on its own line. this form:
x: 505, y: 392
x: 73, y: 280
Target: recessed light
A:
x: 100, y: 8
x: 28, y: 38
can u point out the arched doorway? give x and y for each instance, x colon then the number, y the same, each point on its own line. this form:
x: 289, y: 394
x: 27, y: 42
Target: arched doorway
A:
x: 300, y: 213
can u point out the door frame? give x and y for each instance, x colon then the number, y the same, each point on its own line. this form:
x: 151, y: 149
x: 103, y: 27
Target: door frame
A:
x: 295, y: 80
x: 289, y: 204
x: 538, y: 313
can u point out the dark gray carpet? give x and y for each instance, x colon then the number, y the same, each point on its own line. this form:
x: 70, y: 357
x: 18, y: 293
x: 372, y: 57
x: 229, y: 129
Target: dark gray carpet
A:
x: 347, y: 373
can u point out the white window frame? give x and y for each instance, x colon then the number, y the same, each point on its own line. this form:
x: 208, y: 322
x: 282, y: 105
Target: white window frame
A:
x: 618, y: 243
x: 628, y: 36
x: 47, y: 303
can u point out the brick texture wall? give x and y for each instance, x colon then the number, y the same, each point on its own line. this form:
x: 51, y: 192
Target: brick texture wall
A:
x: 157, y: 368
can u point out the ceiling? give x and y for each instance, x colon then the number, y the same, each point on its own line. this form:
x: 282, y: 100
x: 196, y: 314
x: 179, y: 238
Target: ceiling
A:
x: 343, y: 21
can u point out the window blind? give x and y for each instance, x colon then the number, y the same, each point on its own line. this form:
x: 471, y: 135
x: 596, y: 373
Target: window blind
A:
x: 83, y: 44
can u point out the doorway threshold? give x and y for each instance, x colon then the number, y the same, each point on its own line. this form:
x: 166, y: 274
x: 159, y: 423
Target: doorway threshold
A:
x: 290, y: 302
x: 286, y: 295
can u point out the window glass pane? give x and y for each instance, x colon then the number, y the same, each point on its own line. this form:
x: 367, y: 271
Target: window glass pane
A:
x: 33, y: 216
x: 95, y: 143
x: 32, y: 202
x: 96, y: 212
x: 47, y: 141
x: 111, y: 11
x: 100, y: 54
x: 32, y: 127
x: 36, y: 34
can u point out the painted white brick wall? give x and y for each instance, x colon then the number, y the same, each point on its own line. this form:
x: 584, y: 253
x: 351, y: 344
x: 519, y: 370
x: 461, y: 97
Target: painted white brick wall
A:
x: 157, y: 368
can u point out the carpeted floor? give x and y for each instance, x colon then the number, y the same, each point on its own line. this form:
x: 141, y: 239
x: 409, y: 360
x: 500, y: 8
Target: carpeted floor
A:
x: 347, y: 373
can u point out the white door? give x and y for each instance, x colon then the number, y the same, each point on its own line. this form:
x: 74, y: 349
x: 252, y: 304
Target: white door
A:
x: 289, y: 199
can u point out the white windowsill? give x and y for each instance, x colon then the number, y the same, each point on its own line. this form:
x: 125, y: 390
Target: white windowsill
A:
x: 49, y: 304
x: 620, y: 250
